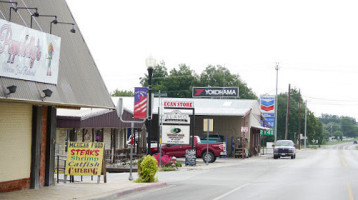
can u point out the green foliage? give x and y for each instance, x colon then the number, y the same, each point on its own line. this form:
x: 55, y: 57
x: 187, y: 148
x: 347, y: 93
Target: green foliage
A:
x: 147, y: 168
x: 179, y: 82
x: 122, y: 93
x: 346, y: 125
x: 338, y: 135
x: 220, y: 76
x: 178, y: 164
x: 139, y: 162
x: 314, y: 126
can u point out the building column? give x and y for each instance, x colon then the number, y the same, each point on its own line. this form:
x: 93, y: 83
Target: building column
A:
x: 50, y: 146
x: 36, y: 147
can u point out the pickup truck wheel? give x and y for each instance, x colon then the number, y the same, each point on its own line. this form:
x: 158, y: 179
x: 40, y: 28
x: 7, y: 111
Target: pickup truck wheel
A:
x: 210, y: 157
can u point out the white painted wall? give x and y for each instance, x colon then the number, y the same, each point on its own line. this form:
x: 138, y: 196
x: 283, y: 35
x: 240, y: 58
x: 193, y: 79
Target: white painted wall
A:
x: 15, y: 141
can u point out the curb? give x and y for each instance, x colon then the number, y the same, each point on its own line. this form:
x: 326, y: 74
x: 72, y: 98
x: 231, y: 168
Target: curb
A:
x: 131, y: 190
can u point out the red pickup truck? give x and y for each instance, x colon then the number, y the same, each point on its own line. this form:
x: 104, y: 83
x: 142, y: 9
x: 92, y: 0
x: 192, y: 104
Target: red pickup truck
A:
x: 178, y: 150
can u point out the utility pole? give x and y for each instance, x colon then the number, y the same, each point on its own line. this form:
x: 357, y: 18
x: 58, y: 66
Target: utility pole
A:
x: 276, y: 103
x: 288, y: 110
x: 305, y: 123
x: 299, y: 119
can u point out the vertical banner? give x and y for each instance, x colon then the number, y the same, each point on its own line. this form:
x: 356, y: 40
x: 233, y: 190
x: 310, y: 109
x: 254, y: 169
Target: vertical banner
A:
x: 267, y: 105
x: 140, y: 102
x: 84, y: 158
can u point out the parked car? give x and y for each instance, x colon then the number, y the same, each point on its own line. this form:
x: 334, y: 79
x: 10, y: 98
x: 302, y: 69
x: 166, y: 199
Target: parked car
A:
x: 284, y: 148
x: 178, y: 150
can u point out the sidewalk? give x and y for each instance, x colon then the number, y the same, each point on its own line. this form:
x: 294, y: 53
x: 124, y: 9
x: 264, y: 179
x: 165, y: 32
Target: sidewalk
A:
x: 117, y: 183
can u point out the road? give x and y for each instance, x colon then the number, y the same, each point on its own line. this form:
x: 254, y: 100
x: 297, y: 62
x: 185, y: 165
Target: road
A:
x: 326, y: 173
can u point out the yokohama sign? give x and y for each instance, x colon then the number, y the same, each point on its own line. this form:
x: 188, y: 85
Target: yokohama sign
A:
x: 216, y: 92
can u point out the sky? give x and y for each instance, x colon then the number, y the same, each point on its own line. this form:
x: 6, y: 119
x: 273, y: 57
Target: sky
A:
x: 314, y: 42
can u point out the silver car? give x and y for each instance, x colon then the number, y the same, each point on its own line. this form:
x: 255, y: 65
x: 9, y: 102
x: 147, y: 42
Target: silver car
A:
x: 284, y: 148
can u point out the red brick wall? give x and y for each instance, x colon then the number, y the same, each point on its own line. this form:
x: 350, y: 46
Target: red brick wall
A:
x: 43, y: 145
x: 20, y: 184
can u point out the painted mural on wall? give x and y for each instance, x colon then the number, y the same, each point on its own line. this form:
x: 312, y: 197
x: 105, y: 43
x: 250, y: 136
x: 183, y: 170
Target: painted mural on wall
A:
x: 84, y: 158
x: 28, y: 54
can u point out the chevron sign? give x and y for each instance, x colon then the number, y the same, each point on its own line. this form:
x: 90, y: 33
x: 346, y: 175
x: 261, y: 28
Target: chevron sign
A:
x: 267, y: 104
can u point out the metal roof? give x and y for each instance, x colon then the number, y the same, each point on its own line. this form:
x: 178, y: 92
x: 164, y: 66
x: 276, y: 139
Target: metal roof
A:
x: 85, y: 113
x: 79, y: 81
x: 96, y: 117
x: 214, y: 107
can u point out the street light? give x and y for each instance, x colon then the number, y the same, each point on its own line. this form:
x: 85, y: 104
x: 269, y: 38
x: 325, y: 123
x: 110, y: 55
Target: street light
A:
x: 17, y: 8
x: 150, y: 62
x: 38, y: 15
x: 67, y: 23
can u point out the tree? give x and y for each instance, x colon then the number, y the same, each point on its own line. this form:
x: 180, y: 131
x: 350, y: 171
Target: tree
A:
x: 160, y: 73
x: 349, y: 127
x: 314, y: 126
x: 338, y: 135
x: 344, y: 124
x: 220, y: 76
x: 122, y: 93
x: 180, y: 82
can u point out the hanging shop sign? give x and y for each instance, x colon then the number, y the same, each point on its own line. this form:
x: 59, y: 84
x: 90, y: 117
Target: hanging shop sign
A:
x: 84, y: 158
x: 216, y: 92
x: 176, y: 117
x: 175, y: 134
x: 28, y: 54
x: 140, y: 103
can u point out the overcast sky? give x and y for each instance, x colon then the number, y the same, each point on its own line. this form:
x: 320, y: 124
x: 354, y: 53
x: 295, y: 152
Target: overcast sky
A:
x: 314, y: 41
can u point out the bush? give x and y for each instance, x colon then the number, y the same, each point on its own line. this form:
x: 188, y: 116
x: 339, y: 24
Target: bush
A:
x: 178, y: 164
x: 147, y: 168
x: 139, y: 162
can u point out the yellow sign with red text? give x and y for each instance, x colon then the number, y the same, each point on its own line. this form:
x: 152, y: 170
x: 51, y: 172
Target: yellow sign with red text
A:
x: 84, y: 158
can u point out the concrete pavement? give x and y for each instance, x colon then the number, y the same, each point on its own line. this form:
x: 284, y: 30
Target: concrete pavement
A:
x: 117, y: 183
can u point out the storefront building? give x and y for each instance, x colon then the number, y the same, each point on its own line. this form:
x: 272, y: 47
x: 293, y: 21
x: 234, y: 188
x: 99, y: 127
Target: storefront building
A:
x: 39, y: 73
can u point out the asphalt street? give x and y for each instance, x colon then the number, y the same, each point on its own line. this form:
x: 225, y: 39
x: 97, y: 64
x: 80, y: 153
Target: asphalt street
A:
x: 326, y: 173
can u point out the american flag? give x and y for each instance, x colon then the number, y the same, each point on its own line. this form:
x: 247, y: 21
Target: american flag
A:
x: 140, y: 102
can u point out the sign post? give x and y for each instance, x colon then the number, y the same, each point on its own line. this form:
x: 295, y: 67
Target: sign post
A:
x: 177, y: 125
x: 244, y: 130
x: 119, y: 113
x: 208, y: 126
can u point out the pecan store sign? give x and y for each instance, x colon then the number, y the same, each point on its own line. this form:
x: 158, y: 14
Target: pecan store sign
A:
x: 28, y: 54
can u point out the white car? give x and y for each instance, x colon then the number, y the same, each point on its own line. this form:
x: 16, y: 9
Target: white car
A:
x: 284, y: 148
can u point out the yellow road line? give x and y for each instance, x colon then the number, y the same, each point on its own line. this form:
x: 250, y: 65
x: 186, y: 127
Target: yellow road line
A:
x: 350, y: 193
x: 349, y: 166
x: 342, y: 164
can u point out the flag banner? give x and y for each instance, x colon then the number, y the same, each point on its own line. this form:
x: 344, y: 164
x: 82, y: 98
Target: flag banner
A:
x: 140, y: 103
